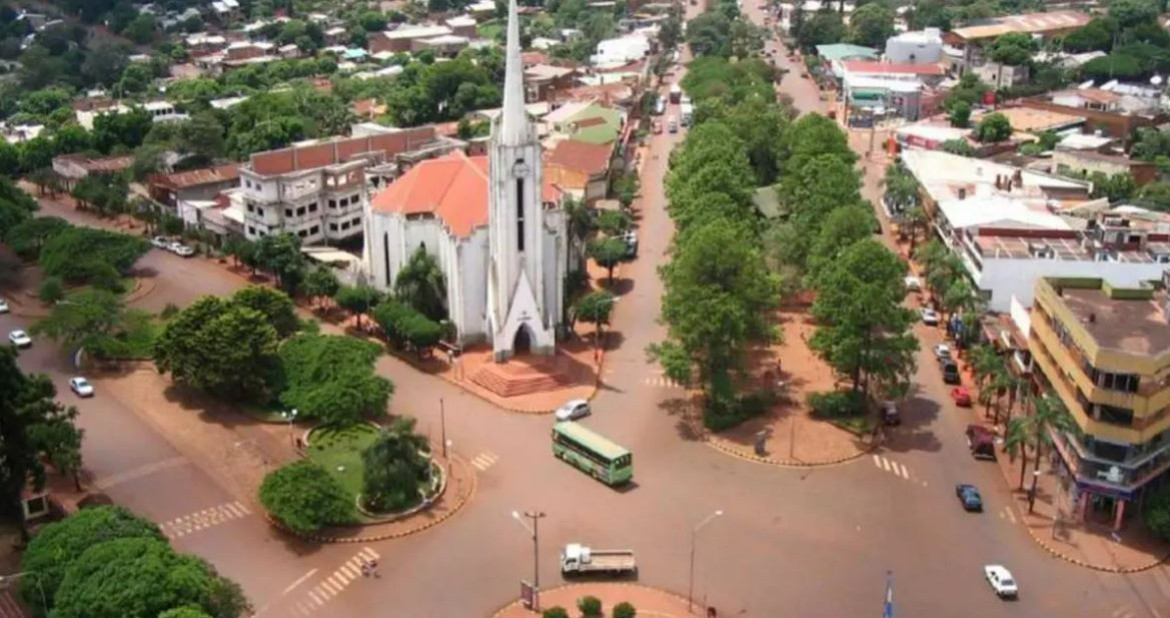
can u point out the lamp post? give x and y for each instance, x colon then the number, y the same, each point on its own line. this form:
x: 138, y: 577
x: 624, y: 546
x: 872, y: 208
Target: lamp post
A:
x: 5, y: 580
x: 695, y: 533
x: 290, y: 416
x: 534, y: 530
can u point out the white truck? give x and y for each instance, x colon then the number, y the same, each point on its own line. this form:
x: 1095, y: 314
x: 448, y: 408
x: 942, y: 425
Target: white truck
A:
x: 577, y: 559
x: 688, y: 114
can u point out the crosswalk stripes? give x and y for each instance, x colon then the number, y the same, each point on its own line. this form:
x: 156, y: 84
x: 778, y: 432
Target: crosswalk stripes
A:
x: 9, y: 608
x: 1124, y: 612
x: 334, y: 584
x: 484, y: 460
x: 1007, y: 514
x: 660, y: 382
x: 200, y: 520
x: 891, y: 466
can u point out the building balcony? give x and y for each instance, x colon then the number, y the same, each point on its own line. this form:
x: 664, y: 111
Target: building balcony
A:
x: 1104, y: 476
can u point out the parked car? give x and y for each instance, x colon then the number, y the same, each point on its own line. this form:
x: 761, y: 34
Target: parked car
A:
x: 981, y: 441
x: 890, y: 414
x: 573, y: 410
x: 950, y: 371
x: 942, y: 352
x: 20, y: 339
x: 913, y: 284
x: 3, y: 306
x: 969, y: 497
x: 631, y: 239
x: 161, y: 242
x: 81, y: 387
x: 672, y: 126
x: 961, y: 396
x: 929, y: 316
x: 1001, y: 581
x: 181, y: 250
x: 656, y: 127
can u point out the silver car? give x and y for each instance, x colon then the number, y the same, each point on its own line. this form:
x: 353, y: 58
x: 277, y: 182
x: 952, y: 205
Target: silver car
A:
x: 573, y: 410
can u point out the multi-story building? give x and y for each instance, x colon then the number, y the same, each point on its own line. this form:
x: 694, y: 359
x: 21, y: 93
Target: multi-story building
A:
x: 316, y: 189
x: 974, y: 39
x: 1105, y: 351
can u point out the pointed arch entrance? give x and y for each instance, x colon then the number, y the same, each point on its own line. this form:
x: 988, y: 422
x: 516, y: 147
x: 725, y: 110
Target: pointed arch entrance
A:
x: 522, y: 343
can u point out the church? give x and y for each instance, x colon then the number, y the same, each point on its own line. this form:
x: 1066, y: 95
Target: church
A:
x: 495, y: 228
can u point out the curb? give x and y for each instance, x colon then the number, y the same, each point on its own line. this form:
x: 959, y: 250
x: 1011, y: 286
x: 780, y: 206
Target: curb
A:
x: 787, y: 463
x: 1088, y: 565
x: 678, y: 597
x: 391, y: 535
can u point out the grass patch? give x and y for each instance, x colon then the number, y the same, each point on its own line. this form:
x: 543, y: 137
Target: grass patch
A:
x: 845, y: 409
x: 339, y: 451
x: 270, y: 412
x: 860, y: 425
x: 490, y: 30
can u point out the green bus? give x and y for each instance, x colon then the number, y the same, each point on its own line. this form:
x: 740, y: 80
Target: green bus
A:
x: 593, y: 454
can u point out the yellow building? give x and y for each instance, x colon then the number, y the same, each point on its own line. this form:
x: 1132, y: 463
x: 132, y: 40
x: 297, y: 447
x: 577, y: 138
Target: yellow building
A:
x: 1106, y: 352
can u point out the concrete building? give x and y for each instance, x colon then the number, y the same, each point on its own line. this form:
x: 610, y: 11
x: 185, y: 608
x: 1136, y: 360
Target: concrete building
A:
x: 1088, y: 162
x: 1001, y: 75
x: 916, y: 47
x: 406, y: 38
x: 71, y: 168
x: 1105, y: 351
x: 580, y: 168
x: 1117, y: 114
x: 316, y: 190
x: 492, y: 223
x: 972, y: 40
x: 203, y: 184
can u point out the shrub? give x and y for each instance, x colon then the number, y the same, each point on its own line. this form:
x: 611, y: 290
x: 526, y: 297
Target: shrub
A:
x: 1156, y: 513
x: 624, y: 610
x: 555, y: 612
x: 51, y: 290
x: 725, y: 410
x: 396, y: 468
x: 305, y: 498
x: 836, y: 404
x: 78, y: 255
x: 590, y: 606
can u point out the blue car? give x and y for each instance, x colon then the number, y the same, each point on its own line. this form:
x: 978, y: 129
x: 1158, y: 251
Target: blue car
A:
x: 969, y: 497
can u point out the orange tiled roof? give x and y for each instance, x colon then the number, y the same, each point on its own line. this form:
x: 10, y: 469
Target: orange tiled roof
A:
x: 591, y: 159
x: 182, y: 180
x: 453, y: 188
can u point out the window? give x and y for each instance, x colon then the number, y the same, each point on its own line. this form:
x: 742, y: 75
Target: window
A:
x: 250, y: 208
x: 343, y: 202
x: 301, y: 211
x: 260, y: 211
x: 345, y: 225
x: 313, y: 207
x: 1124, y: 382
x: 357, y: 221
x: 332, y: 227
x: 333, y: 203
x: 520, y: 214
x: 288, y: 212
x: 251, y: 230
x: 302, y: 233
x: 316, y: 229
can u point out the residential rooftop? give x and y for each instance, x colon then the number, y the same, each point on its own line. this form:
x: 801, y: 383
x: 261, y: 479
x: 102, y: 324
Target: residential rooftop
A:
x: 1136, y: 326
x: 1029, y: 23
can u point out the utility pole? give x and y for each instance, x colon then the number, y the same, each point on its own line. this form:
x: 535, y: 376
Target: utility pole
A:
x: 443, y: 426
x: 695, y: 533
x: 534, y: 530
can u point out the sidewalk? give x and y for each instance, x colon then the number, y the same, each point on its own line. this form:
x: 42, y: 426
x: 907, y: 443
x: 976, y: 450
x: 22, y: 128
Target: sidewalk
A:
x: 647, y: 601
x: 1092, y: 544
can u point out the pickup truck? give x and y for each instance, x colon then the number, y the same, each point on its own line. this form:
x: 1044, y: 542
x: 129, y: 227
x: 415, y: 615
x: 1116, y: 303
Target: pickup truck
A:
x: 577, y: 559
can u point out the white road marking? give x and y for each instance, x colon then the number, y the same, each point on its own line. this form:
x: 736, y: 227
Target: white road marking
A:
x: 204, y: 519
x: 484, y: 460
x: 299, y: 581
x: 139, y: 472
x: 1010, y: 515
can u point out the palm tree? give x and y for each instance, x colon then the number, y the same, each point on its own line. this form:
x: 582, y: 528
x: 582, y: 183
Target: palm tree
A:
x: 1001, y: 382
x: 984, y: 361
x: 579, y: 222
x: 1015, y: 442
x: 915, y: 217
x: 1048, y: 416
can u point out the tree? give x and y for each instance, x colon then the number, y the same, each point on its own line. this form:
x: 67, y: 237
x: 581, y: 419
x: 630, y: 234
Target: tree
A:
x: 305, y: 498
x: 1014, y: 49
x: 590, y: 607
x: 823, y: 27
x: 141, y: 577
x: 203, y: 136
x: 709, y: 34
x: 88, y: 315
x: 840, y: 229
x: 28, y: 237
x: 422, y: 285
x: 1097, y: 35
x: 985, y: 361
x: 54, y: 549
x: 960, y: 114
x: 421, y: 332
x: 34, y: 428
x: 51, y: 290
x: 871, y: 25
x: 141, y: 30
x: 608, y: 253
x: 579, y: 224
x: 219, y: 347
x: 1015, y: 442
x: 1049, y: 416
x: 81, y: 255
x: 811, y: 136
x: 184, y: 612
x: 960, y: 147
x: 613, y: 222
x: 1156, y: 512
x: 16, y: 206
x: 624, y: 610
x: 994, y: 127
x: 275, y: 306
x: 594, y: 308
x: 357, y: 300
x: 1117, y: 187
x: 865, y: 329
x: 1129, y: 13
x: 332, y: 379
x: 321, y: 283
x: 812, y: 191
x: 555, y: 612
x: 1155, y: 196
x: 281, y: 255
x: 396, y: 468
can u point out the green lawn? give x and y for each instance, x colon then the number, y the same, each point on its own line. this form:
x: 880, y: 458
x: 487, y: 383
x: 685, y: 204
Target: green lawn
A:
x: 340, y: 452
x: 860, y: 425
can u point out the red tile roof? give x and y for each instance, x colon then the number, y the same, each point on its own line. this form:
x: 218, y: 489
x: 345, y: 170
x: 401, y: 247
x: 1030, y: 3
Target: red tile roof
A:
x: 891, y: 68
x: 182, y: 180
x: 591, y: 159
x: 453, y: 188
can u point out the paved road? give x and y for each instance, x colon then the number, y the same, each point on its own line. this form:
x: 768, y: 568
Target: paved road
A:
x: 792, y: 543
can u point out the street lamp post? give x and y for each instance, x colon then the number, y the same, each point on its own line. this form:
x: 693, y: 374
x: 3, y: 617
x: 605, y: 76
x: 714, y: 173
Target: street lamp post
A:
x: 534, y: 530
x: 695, y: 533
x: 290, y: 416
x: 5, y: 580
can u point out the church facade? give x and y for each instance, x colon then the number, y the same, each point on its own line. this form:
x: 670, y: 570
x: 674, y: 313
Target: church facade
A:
x: 493, y: 225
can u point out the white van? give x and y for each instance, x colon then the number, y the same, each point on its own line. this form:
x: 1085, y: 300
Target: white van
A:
x: 660, y: 107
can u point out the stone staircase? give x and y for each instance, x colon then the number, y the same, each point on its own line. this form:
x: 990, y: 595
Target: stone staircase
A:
x: 524, y: 377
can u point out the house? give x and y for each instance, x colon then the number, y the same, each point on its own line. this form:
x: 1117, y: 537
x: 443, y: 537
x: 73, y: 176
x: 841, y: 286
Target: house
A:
x: 621, y: 50
x: 405, y: 38
x: 448, y: 45
x: 1102, y: 348
x: 1001, y: 75
x: 972, y: 40
x: 201, y: 184
x: 317, y: 189
x: 1111, y: 113
x: 837, y: 52
x: 917, y: 47
x: 810, y: 8
x: 544, y: 81
x: 1089, y: 162
x: 71, y: 168
x: 587, y: 121
x: 463, y: 25
x: 1034, y: 121
x: 580, y: 168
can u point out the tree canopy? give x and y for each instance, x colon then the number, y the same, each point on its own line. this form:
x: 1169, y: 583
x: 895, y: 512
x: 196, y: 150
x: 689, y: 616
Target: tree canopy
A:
x: 395, y: 468
x: 331, y: 379
x: 305, y: 498
x: 422, y: 285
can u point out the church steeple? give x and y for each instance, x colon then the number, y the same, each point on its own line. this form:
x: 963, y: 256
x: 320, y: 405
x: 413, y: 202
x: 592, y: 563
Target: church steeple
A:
x: 515, y: 129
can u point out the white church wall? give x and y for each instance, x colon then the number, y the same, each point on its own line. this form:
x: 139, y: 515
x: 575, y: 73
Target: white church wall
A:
x: 473, y: 272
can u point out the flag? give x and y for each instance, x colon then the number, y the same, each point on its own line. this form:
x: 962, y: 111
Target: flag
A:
x: 889, y: 612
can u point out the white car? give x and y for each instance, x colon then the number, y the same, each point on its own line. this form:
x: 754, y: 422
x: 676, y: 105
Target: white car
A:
x: 181, y: 250
x: 929, y: 317
x: 161, y: 242
x: 81, y: 387
x: 913, y: 284
x: 3, y: 306
x: 573, y: 410
x: 942, y: 351
x: 1001, y: 580
x: 20, y: 339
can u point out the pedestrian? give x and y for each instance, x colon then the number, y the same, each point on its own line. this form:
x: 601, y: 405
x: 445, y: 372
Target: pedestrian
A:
x: 374, y: 567
x: 365, y: 568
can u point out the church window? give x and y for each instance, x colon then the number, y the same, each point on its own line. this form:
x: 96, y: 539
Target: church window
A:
x: 386, y: 255
x: 520, y: 214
